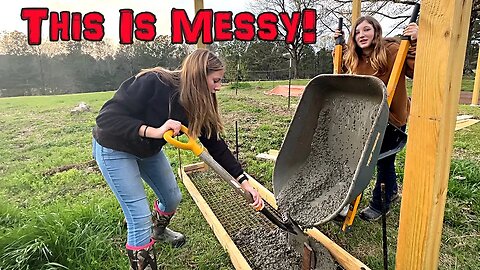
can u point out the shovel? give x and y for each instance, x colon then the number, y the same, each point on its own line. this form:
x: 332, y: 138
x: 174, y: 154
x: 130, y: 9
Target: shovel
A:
x: 295, y: 232
x: 339, y: 41
x: 400, y: 135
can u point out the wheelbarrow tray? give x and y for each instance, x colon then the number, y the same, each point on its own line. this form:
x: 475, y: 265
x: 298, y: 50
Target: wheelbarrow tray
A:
x: 331, y: 147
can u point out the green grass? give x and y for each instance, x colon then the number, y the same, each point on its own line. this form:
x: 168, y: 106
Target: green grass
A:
x: 467, y: 85
x: 71, y: 219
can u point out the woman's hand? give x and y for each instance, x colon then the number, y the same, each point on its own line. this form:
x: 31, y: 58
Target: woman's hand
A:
x: 257, y: 199
x: 170, y: 124
x: 411, y: 30
x: 337, y: 34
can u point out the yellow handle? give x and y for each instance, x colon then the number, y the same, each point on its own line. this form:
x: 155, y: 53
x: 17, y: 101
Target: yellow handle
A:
x: 397, y: 70
x: 337, y: 60
x: 192, y: 144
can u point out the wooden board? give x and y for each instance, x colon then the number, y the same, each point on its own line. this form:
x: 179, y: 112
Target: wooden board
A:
x: 270, y: 155
x: 235, y: 255
x: 476, y: 85
x: 465, y: 123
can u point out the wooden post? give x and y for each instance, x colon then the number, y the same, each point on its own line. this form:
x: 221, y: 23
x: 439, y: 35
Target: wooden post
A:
x: 356, y: 8
x: 198, y: 6
x: 436, y: 90
x: 476, y: 86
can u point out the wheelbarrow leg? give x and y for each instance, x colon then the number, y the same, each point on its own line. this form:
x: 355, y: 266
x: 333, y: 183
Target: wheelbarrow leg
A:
x: 352, y: 211
x: 309, y: 260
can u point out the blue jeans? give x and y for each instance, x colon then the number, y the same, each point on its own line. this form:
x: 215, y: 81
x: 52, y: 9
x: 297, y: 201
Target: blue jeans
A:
x: 386, y: 174
x: 124, y: 173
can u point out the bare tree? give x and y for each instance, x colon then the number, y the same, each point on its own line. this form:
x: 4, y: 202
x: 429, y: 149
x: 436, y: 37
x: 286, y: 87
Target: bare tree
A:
x: 167, y: 55
x: 295, y: 49
x: 100, y: 49
x: 14, y: 43
x: 393, y: 14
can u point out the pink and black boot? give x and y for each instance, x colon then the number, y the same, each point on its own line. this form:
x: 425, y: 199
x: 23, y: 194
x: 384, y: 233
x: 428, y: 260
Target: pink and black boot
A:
x: 142, y: 258
x: 160, y: 232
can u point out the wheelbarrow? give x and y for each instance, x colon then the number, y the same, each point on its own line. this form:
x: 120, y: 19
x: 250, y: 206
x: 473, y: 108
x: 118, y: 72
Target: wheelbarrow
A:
x: 331, y: 148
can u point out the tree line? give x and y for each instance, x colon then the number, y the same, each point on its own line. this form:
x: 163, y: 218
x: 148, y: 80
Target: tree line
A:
x: 73, y: 67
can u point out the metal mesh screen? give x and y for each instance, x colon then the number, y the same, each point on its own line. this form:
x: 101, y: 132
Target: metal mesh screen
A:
x: 231, y: 209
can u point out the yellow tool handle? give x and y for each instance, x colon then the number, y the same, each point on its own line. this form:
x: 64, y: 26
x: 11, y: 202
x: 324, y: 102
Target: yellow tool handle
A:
x: 338, y: 57
x: 400, y: 59
x: 192, y: 144
x: 337, y: 60
x: 397, y: 69
x: 197, y: 149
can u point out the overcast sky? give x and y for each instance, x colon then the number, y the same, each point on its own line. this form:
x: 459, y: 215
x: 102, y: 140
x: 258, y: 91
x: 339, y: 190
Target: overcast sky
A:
x: 10, y: 15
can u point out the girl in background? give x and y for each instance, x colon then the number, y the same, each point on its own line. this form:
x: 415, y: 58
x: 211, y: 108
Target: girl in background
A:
x: 368, y: 53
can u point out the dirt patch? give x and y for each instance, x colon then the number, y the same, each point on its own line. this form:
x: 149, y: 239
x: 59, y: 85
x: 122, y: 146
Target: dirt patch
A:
x: 274, y: 252
x: 282, y: 90
x: 89, y: 167
x: 460, y: 153
x: 466, y: 98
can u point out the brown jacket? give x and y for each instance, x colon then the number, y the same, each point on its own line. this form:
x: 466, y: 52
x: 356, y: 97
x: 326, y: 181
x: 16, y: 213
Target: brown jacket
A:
x: 400, y: 107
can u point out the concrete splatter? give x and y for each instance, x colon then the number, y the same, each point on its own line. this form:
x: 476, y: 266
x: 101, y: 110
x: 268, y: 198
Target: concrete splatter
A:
x: 271, y: 250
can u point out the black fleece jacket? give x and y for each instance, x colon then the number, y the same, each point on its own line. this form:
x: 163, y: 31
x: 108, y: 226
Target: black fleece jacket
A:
x: 147, y: 100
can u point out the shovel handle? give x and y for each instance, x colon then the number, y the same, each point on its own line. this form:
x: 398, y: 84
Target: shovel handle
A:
x: 191, y: 145
x: 400, y: 59
x: 416, y: 10
x: 413, y: 18
x: 340, y: 40
x: 197, y: 149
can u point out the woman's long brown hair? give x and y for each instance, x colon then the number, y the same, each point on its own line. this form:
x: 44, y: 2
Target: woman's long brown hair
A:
x: 200, y: 104
x: 378, y: 58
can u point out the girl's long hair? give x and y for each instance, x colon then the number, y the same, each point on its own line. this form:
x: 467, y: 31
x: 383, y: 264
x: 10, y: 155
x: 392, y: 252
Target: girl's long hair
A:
x: 200, y: 104
x: 378, y: 58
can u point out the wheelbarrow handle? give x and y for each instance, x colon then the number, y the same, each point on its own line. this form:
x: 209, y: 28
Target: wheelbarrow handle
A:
x: 192, y: 144
x: 413, y: 18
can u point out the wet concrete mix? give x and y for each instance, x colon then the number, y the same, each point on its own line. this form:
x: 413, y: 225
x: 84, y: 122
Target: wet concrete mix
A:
x: 263, y: 245
x: 271, y: 250
x: 320, y: 186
